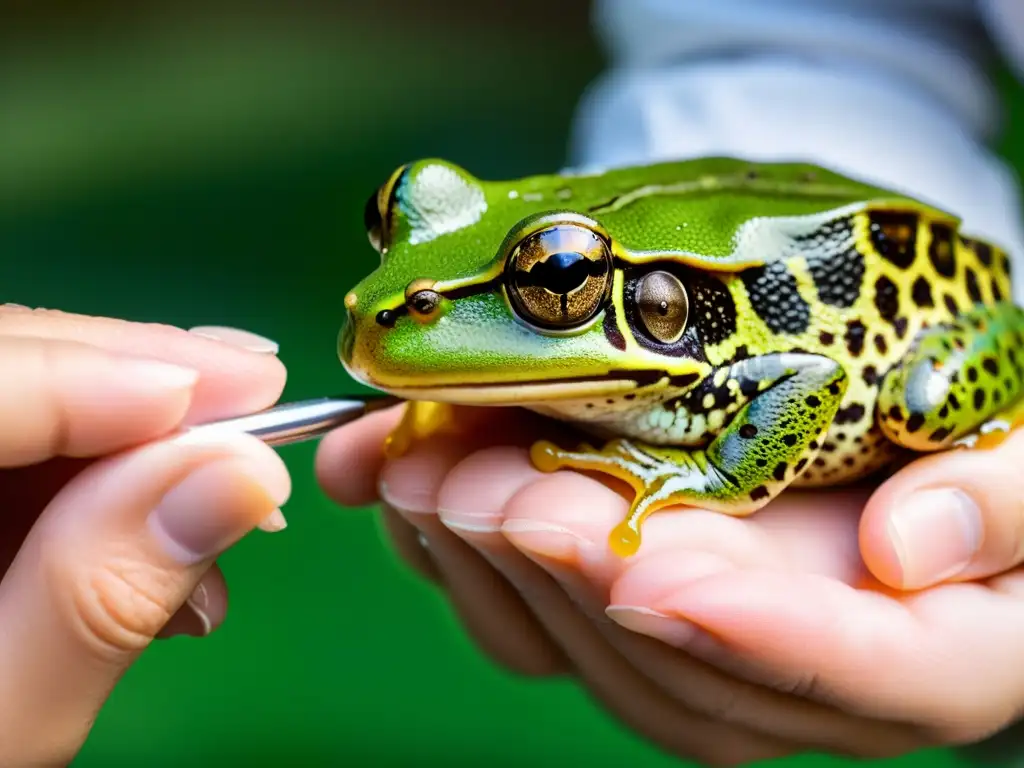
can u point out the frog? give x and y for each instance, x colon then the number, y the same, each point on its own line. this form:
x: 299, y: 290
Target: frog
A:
x: 717, y: 330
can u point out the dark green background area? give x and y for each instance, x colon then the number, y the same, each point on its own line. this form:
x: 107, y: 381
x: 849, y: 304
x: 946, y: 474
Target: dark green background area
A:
x: 203, y: 167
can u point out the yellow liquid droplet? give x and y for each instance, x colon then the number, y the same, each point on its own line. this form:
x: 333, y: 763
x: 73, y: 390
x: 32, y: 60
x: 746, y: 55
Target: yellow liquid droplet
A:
x: 623, y: 540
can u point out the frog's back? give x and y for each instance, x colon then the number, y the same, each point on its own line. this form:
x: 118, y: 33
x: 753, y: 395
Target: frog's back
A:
x: 703, y: 206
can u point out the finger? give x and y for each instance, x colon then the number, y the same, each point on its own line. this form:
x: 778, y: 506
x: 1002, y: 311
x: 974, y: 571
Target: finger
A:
x: 562, y: 523
x: 473, y: 429
x: 409, y: 544
x: 485, y: 493
x: 489, y: 480
x: 956, y: 516
x: 205, y: 609
x: 916, y: 660
x: 569, y: 557
x: 492, y: 612
x: 116, y: 553
x: 74, y: 400
x: 349, y: 459
x: 648, y: 582
x: 238, y: 372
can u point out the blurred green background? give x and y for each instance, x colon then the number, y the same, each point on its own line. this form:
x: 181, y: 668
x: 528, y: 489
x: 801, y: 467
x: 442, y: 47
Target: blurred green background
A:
x: 207, y: 163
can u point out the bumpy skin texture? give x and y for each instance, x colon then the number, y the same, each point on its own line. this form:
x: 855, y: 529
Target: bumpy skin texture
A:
x: 826, y: 328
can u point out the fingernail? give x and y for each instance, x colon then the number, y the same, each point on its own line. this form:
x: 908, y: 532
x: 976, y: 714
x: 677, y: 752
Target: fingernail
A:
x: 935, y: 534
x: 409, y: 501
x: 547, y: 539
x: 199, y: 602
x: 211, y: 508
x: 236, y: 337
x: 647, y: 621
x: 471, y: 522
x: 274, y: 522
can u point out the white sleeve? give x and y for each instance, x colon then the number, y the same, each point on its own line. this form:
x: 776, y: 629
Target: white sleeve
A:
x: 895, y: 97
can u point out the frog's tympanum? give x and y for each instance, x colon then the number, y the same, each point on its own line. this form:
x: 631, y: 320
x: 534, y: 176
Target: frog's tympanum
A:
x: 724, y: 329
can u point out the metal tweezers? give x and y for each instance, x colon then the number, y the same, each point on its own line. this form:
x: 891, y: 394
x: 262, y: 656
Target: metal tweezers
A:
x: 303, y: 420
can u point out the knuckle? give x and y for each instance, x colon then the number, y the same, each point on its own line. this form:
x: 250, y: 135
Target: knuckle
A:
x: 804, y: 686
x: 121, y: 606
x: 49, y: 362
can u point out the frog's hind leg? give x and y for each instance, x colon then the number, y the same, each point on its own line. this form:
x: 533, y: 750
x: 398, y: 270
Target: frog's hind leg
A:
x: 767, y: 444
x: 960, y: 384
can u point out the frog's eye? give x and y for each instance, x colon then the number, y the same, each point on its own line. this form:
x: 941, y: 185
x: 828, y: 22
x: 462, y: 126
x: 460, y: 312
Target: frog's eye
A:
x: 377, y: 212
x: 559, y: 277
x: 662, y: 306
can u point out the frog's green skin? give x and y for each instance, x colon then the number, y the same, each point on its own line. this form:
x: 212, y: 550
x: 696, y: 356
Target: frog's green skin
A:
x: 829, y: 328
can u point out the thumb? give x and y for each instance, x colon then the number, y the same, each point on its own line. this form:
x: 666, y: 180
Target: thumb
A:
x: 954, y: 516
x: 116, y: 553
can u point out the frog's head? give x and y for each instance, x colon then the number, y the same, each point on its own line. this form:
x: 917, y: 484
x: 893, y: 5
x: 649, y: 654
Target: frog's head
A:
x: 503, y: 292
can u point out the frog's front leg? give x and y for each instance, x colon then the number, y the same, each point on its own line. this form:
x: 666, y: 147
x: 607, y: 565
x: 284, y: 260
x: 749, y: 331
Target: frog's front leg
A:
x: 421, y: 419
x: 959, y: 384
x: 768, y: 443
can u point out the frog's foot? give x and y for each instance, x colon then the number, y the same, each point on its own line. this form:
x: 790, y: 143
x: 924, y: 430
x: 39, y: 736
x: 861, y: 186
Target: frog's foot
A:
x: 767, y: 445
x: 656, y: 475
x: 959, y: 386
x: 421, y: 420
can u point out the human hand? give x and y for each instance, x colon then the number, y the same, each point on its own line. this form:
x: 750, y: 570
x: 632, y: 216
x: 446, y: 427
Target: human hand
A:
x: 789, y: 631
x: 111, y: 524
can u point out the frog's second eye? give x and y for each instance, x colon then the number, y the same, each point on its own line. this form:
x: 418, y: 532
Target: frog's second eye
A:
x: 662, y: 306
x: 374, y: 223
x: 378, y: 212
x: 560, y: 277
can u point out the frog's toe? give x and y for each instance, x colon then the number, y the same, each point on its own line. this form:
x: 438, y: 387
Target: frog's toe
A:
x: 614, y: 459
x: 546, y: 456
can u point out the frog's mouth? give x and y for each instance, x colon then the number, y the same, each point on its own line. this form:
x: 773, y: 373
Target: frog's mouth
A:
x: 611, y: 384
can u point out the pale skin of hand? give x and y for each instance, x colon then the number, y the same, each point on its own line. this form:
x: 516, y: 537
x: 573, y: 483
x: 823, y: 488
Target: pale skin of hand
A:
x: 112, y: 519
x: 826, y: 622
